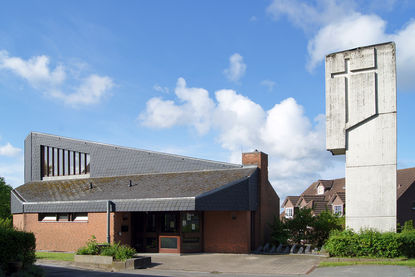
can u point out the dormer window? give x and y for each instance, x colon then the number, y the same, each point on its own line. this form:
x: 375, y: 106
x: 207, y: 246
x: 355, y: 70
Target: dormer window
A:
x: 57, y: 162
x: 320, y: 189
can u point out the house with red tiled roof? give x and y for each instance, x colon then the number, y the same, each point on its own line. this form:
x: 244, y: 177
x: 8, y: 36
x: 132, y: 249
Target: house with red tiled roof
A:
x: 331, y: 195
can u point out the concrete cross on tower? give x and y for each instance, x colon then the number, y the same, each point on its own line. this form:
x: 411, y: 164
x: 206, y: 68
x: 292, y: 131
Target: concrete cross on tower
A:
x: 361, y: 123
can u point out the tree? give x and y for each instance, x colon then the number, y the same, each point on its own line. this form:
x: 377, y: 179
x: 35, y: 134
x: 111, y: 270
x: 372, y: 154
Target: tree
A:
x: 279, y: 233
x: 323, y: 225
x: 5, y: 191
x: 300, y: 225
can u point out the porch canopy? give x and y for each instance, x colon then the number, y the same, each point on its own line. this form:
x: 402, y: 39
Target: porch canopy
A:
x: 208, y: 190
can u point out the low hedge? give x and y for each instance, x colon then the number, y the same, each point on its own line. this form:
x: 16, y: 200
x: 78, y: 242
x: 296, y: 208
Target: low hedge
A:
x: 16, y: 246
x: 370, y: 243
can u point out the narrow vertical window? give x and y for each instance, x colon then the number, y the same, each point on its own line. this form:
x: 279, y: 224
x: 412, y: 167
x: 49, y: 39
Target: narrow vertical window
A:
x: 60, y: 168
x: 88, y: 166
x: 55, y: 162
x: 76, y: 154
x: 82, y: 162
x: 44, y: 161
x: 50, y: 161
x: 71, y: 163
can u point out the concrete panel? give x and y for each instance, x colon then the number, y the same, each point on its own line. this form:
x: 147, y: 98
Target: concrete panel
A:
x: 373, y: 143
x: 370, y: 192
x: 336, y: 114
x: 362, y: 58
x: 361, y: 98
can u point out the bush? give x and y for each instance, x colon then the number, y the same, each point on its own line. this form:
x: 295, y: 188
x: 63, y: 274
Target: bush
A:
x: 407, y: 239
x: 91, y: 248
x: 370, y: 243
x: 117, y: 251
x: 16, y: 246
x: 408, y: 226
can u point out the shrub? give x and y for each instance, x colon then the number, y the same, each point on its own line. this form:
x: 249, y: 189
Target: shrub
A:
x: 407, y: 239
x: 124, y: 252
x: 408, y: 226
x: 117, y: 251
x: 16, y: 246
x: 91, y: 248
x: 371, y: 244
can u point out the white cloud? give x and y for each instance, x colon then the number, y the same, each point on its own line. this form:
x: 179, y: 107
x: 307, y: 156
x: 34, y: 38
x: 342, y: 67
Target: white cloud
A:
x: 90, y: 91
x: 236, y: 69
x: 296, y: 145
x: 353, y: 31
x: 339, y: 26
x: 253, y: 18
x: 311, y: 14
x: 159, y: 88
x: 268, y: 84
x: 39, y: 74
x: 195, y: 109
x: 9, y: 150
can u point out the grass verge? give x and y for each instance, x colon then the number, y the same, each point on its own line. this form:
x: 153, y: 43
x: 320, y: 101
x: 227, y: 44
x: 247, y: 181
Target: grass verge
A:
x: 57, y: 256
x: 410, y: 262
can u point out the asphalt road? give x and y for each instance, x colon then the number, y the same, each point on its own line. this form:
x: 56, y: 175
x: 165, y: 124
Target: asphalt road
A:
x: 341, y: 271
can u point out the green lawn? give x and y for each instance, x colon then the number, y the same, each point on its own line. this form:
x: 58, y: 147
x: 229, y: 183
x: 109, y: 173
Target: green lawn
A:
x: 57, y: 256
x: 410, y: 262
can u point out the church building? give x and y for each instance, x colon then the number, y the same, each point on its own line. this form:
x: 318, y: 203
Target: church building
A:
x: 154, y: 202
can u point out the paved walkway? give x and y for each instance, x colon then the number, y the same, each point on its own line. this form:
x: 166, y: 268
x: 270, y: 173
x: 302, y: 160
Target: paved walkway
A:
x: 237, y: 263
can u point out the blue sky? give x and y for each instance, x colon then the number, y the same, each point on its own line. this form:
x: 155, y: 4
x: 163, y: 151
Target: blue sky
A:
x: 200, y: 78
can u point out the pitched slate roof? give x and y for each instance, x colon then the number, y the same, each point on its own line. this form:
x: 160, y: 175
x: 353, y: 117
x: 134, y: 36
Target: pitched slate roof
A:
x: 406, y: 177
x: 293, y: 200
x: 147, y: 187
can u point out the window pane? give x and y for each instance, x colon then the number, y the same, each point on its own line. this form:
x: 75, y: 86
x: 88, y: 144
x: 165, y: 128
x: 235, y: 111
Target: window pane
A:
x: 55, y: 162
x: 80, y: 216
x: 88, y: 169
x: 71, y: 161
x: 169, y: 223
x: 76, y: 163
x: 82, y: 163
x: 60, y: 163
x: 47, y: 217
x: 65, y: 162
x: 50, y: 168
x: 190, y: 223
x: 45, y: 161
x: 151, y: 223
x: 63, y: 217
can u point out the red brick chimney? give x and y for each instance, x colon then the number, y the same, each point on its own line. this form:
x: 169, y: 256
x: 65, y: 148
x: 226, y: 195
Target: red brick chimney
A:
x: 257, y: 158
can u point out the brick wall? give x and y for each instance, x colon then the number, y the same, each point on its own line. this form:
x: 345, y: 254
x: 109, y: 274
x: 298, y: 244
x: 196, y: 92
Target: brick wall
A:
x: 227, y: 232
x: 404, y: 206
x: 65, y: 236
x: 122, y: 219
x: 269, y: 202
